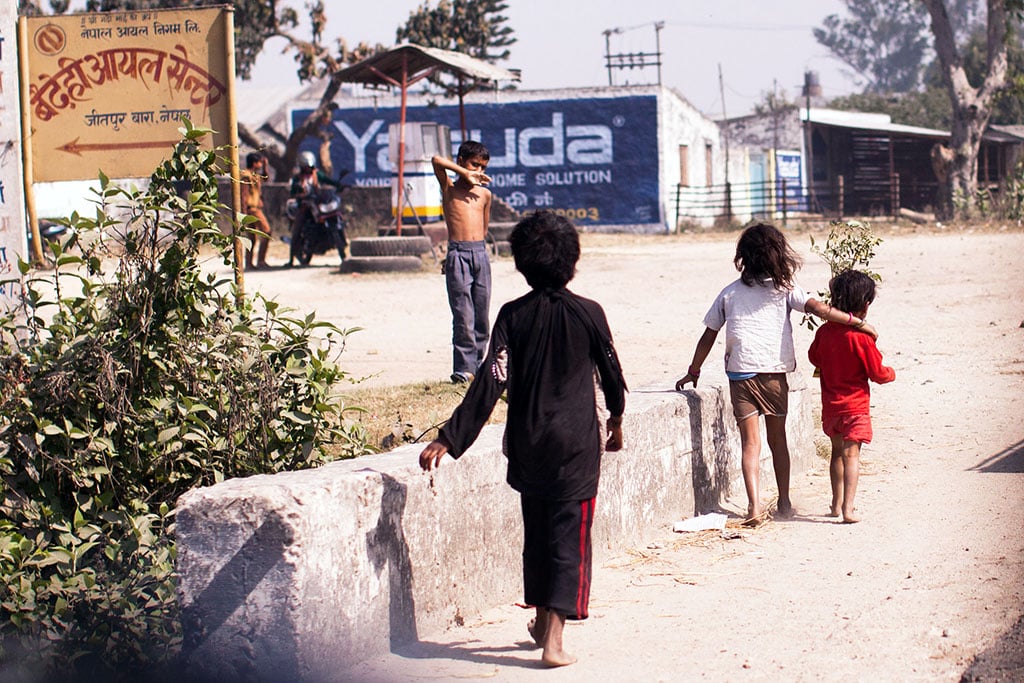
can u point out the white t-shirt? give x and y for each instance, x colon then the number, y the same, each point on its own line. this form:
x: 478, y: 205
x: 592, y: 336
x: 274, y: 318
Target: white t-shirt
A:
x: 758, y: 333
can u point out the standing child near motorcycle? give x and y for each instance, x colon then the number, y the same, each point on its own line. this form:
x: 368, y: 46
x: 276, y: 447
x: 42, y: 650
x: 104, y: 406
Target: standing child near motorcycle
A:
x: 305, y: 184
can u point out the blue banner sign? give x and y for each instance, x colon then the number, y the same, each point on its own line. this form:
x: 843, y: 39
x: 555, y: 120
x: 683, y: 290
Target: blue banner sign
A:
x: 789, y: 187
x: 594, y: 160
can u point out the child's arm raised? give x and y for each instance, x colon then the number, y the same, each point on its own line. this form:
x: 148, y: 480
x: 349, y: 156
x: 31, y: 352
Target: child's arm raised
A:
x: 707, y: 340
x: 441, y: 164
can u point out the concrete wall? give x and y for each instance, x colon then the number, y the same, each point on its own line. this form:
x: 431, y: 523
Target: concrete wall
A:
x: 296, y: 576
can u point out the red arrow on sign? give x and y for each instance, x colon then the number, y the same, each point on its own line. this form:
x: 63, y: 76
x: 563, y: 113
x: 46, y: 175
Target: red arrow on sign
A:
x: 74, y: 147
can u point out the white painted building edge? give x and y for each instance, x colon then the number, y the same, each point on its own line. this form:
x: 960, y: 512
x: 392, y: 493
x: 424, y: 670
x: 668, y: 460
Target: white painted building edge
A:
x: 13, y: 222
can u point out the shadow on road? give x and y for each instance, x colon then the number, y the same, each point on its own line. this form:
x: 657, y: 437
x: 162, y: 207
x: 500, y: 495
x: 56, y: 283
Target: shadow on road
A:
x: 1010, y: 460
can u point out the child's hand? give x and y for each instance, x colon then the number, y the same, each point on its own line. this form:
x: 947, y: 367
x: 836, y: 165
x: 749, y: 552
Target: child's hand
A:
x: 683, y: 380
x: 692, y: 372
x: 614, y: 442
x: 868, y: 328
x: 431, y: 456
x: 477, y: 177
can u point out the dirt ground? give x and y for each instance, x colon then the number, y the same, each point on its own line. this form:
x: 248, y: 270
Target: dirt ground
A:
x: 932, y: 577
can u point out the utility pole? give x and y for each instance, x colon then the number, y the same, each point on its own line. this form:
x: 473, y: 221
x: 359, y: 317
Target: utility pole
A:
x: 632, y: 60
x: 725, y: 142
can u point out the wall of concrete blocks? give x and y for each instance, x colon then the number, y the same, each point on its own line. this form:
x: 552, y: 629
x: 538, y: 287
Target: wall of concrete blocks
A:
x: 297, y: 576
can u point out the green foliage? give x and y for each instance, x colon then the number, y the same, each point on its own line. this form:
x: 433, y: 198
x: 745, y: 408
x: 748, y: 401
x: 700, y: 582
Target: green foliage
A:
x: 474, y: 27
x: 1005, y: 204
x: 884, y: 41
x: 1010, y: 202
x: 131, y: 376
x: 929, y: 108
x: 850, y: 246
x: 1008, y: 104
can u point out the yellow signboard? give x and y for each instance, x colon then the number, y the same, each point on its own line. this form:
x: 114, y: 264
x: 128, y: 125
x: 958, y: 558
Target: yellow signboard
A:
x: 107, y: 91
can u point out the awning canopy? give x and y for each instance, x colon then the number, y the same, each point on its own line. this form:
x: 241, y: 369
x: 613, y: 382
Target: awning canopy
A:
x: 410, y: 60
x: 406, y: 64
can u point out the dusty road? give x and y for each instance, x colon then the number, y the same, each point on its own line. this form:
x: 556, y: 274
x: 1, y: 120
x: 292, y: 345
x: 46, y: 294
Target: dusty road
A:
x: 934, y: 574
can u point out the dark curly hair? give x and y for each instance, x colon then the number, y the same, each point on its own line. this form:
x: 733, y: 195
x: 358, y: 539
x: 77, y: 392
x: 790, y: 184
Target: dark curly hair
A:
x: 545, y: 247
x: 762, y: 252
x: 471, y: 149
x: 852, y: 291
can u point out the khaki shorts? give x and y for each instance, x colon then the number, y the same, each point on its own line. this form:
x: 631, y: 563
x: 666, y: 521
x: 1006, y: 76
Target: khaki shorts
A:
x: 762, y: 394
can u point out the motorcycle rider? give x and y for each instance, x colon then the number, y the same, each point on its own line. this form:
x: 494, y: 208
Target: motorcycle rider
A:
x: 305, y: 184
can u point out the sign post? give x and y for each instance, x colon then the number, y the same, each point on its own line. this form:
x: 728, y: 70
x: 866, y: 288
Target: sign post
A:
x: 107, y: 91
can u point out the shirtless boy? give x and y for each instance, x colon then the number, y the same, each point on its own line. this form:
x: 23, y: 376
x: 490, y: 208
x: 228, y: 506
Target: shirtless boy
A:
x: 467, y: 210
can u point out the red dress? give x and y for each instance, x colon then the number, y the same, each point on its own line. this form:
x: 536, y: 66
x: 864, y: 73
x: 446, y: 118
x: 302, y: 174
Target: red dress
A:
x: 847, y: 358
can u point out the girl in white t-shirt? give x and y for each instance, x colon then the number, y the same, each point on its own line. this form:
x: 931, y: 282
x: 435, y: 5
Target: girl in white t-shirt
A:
x: 759, y: 351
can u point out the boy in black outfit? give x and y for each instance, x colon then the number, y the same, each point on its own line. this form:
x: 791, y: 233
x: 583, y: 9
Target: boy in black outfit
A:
x: 544, y: 350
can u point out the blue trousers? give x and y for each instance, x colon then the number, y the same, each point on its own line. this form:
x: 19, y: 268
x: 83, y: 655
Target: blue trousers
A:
x: 468, y: 278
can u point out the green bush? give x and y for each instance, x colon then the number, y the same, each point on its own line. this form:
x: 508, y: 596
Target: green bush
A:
x: 850, y: 246
x: 130, y: 376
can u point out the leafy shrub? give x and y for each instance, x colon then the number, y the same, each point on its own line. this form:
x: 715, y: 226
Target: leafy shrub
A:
x: 850, y: 246
x: 129, y: 377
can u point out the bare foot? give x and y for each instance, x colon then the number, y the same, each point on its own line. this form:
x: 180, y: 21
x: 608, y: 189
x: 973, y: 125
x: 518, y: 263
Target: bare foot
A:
x: 755, y: 517
x: 556, y: 659
x: 785, y: 510
x: 850, y: 518
x: 833, y: 512
x: 536, y: 633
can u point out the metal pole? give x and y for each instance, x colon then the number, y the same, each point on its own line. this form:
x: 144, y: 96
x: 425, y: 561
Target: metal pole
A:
x: 401, y: 146
x: 608, y: 54
x: 462, y: 113
x: 657, y: 45
x: 785, y: 203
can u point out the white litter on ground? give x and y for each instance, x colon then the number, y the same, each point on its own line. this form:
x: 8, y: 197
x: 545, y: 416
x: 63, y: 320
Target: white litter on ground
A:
x: 713, y: 520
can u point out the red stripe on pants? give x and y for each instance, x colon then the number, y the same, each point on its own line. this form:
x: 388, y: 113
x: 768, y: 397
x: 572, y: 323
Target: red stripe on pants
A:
x: 583, y: 589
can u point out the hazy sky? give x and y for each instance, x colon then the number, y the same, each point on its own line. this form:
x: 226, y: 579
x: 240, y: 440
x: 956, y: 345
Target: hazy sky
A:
x: 561, y: 43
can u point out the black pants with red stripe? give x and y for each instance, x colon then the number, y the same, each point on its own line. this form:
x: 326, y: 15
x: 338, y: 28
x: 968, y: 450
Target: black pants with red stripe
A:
x: 557, y: 554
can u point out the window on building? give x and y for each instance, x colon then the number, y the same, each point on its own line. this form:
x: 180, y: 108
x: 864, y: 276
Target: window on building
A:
x: 684, y: 165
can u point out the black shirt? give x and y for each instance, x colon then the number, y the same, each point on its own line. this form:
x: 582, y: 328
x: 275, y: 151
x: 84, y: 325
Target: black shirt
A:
x: 544, y: 350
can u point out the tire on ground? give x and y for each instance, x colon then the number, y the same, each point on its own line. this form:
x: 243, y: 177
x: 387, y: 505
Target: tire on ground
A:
x: 412, y: 245
x: 382, y: 264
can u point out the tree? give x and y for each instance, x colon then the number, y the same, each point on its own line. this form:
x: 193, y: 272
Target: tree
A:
x: 476, y: 28
x: 971, y: 106
x: 886, y: 41
x: 1009, y: 103
x: 928, y: 108
x: 883, y: 41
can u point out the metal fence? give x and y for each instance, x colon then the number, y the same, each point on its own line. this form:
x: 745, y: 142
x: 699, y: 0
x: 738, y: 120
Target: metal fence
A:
x: 786, y: 200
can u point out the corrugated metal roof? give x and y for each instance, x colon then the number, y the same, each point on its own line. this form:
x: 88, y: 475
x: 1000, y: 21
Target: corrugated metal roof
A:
x: 1006, y: 133
x: 867, y: 121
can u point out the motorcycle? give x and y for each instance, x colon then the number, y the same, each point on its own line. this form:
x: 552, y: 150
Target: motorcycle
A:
x: 49, y: 232
x: 323, y: 227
